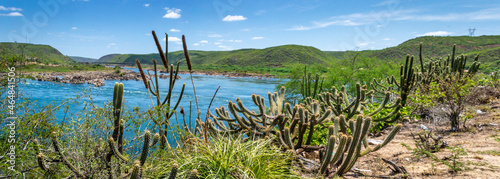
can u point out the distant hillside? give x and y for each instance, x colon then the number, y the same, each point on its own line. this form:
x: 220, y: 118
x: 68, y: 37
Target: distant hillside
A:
x: 268, y: 57
x: 106, y: 58
x: 488, y: 48
x: 34, y: 52
x: 83, y: 59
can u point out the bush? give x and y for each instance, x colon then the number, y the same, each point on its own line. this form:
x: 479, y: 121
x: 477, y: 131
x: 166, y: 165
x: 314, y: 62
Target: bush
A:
x: 226, y: 157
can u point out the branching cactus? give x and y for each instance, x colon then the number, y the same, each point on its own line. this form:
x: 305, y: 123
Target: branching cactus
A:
x: 342, y: 104
x: 165, y: 107
x: 407, y: 80
x: 290, y: 126
x: 454, y: 65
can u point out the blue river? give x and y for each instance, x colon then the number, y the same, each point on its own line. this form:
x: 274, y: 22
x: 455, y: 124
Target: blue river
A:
x: 135, y: 94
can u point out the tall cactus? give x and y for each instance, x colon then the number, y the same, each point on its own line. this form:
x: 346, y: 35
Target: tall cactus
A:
x: 407, y: 80
x: 165, y: 107
x: 454, y: 65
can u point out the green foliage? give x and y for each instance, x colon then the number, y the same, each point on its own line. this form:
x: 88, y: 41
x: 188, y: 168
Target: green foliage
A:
x: 427, y: 141
x: 35, y: 53
x: 455, y: 164
x: 226, y: 157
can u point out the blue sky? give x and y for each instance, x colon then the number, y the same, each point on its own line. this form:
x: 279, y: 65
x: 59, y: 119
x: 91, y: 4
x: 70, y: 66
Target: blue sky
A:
x: 93, y: 28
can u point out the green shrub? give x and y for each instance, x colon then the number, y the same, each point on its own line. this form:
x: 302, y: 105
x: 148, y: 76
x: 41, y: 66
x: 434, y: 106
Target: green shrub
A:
x: 226, y: 157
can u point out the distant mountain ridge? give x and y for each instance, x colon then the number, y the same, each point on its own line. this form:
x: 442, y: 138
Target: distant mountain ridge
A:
x: 272, y: 56
x: 488, y: 47
x: 83, y: 59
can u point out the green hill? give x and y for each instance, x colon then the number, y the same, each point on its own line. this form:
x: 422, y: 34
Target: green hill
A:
x: 83, y: 59
x: 33, y: 52
x: 106, y: 58
x: 269, y: 57
x: 488, y: 48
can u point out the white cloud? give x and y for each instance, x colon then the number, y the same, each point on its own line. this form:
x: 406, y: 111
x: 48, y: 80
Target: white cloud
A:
x: 246, y: 30
x: 387, y: 2
x: 217, y: 43
x: 214, y: 35
x: 365, y: 43
x: 12, y: 14
x: 234, y: 18
x: 174, y: 39
x: 436, y: 33
x: 257, y: 38
x: 387, y: 39
x: 260, y: 12
x: 382, y: 17
x: 196, y: 44
x: 175, y: 30
x: 172, y: 13
x: 10, y: 8
x: 74, y: 28
x: 225, y: 47
x: 203, y: 41
x: 146, y: 5
x: 111, y: 44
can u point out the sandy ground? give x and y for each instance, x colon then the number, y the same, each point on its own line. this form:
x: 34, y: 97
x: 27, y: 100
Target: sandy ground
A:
x: 481, y: 141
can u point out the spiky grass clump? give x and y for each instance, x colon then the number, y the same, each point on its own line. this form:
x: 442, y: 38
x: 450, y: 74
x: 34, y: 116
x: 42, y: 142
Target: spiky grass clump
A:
x: 227, y: 157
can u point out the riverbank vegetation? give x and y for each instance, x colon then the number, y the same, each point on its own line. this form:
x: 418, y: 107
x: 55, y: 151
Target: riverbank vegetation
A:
x: 355, y: 118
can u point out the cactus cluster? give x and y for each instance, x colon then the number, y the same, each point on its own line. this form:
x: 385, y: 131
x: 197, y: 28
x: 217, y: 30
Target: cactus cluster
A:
x: 433, y: 71
x: 311, y: 86
x: 453, y: 66
x: 290, y: 125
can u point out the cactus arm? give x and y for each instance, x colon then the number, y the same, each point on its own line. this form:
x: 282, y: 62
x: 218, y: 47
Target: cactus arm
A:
x: 301, y: 135
x: 162, y: 55
x: 171, y: 84
x: 354, y: 159
x: 395, y: 112
x: 151, y: 89
x: 391, y: 135
x: 55, y: 143
x: 421, y: 59
x: 177, y: 103
x: 288, y: 139
x: 135, y: 170
x: 120, y: 136
x: 112, y: 145
x: 311, y: 131
x: 145, y: 148
x: 340, y: 149
x: 244, y: 109
x: 173, y: 171
x: 382, y: 105
x: 41, y: 162
x: 156, y: 138
x: 353, y: 147
x: 329, y: 152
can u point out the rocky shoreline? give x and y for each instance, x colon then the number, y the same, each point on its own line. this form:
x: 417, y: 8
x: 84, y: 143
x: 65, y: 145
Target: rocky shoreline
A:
x: 95, y: 78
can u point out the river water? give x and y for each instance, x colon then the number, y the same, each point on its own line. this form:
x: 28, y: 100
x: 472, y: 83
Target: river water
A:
x: 135, y: 94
